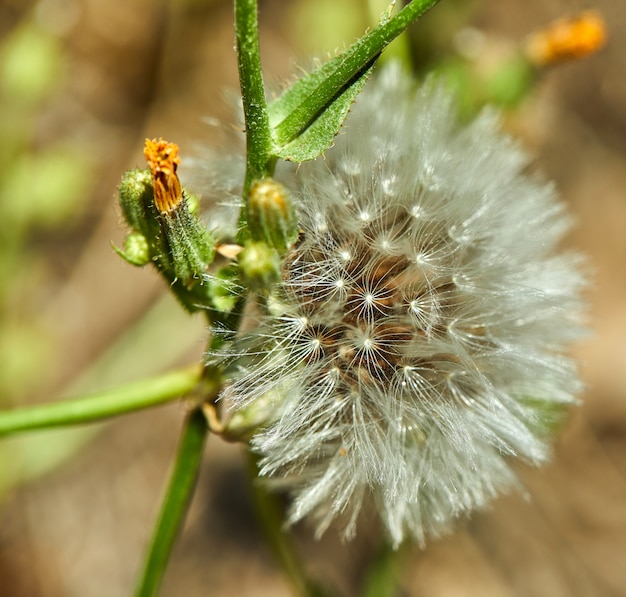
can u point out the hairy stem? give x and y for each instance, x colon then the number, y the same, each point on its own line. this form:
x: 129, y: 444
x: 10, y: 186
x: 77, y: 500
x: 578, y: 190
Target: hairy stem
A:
x: 259, y: 162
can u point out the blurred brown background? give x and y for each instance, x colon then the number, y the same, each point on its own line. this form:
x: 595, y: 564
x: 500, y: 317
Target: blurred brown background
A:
x: 77, y: 507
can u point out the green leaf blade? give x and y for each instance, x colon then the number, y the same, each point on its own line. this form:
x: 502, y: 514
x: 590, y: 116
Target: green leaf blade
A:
x: 332, y: 87
x: 319, y: 136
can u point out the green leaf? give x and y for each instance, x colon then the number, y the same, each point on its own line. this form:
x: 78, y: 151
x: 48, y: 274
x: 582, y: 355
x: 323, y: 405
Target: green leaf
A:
x: 318, y: 137
x: 317, y: 104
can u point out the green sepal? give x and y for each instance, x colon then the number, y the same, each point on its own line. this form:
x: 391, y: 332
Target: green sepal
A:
x: 190, y: 246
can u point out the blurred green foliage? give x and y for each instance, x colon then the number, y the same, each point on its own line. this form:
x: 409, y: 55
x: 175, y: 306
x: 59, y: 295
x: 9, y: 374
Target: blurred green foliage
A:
x: 43, y: 187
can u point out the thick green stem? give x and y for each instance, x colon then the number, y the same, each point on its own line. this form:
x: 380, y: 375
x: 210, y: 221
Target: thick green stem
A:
x: 400, y: 48
x: 177, y: 498
x: 110, y: 403
x: 259, y: 162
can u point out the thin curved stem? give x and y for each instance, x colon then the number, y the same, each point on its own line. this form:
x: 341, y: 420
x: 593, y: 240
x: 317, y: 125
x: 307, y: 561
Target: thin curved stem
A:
x: 270, y: 518
x: 177, y: 498
x: 110, y: 403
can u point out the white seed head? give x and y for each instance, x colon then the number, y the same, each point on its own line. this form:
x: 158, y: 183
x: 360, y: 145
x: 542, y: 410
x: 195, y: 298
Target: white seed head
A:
x: 421, y: 319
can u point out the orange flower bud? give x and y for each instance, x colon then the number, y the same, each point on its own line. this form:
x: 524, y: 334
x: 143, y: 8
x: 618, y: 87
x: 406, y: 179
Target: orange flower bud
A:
x: 567, y: 39
x: 163, y: 160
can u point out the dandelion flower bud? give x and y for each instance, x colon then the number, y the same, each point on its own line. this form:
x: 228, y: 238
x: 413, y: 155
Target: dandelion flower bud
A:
x: 259, y: 265
x: 417, y: 335
x: 271, y: 216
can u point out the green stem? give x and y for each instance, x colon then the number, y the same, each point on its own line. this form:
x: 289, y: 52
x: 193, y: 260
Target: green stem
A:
x: 259, y: 162
x: 400, y: 48
x: 384, y: 573
x: 177, y: 498
x: 110, y: 403
x: 270, y: 518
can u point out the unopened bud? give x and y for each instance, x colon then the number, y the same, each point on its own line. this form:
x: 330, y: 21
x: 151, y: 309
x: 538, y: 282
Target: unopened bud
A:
x: 136, y: 198
x: 271, y: 216
x: 136, y: 249
x: 164, y: 230
x: 259, y: 265
x: 511, y: 81
x: 225, y: 289
x: 189, y: 244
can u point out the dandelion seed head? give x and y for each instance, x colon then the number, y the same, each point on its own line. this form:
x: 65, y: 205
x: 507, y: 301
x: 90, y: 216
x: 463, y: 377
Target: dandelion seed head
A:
x: 420, y: 325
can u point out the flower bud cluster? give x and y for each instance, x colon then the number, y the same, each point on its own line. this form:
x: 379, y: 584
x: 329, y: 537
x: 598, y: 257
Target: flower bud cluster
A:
x: 273, y: 229
x: 415, y: 343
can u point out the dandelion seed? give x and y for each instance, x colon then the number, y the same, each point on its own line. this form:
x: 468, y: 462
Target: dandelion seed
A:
x: 417, y: 337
